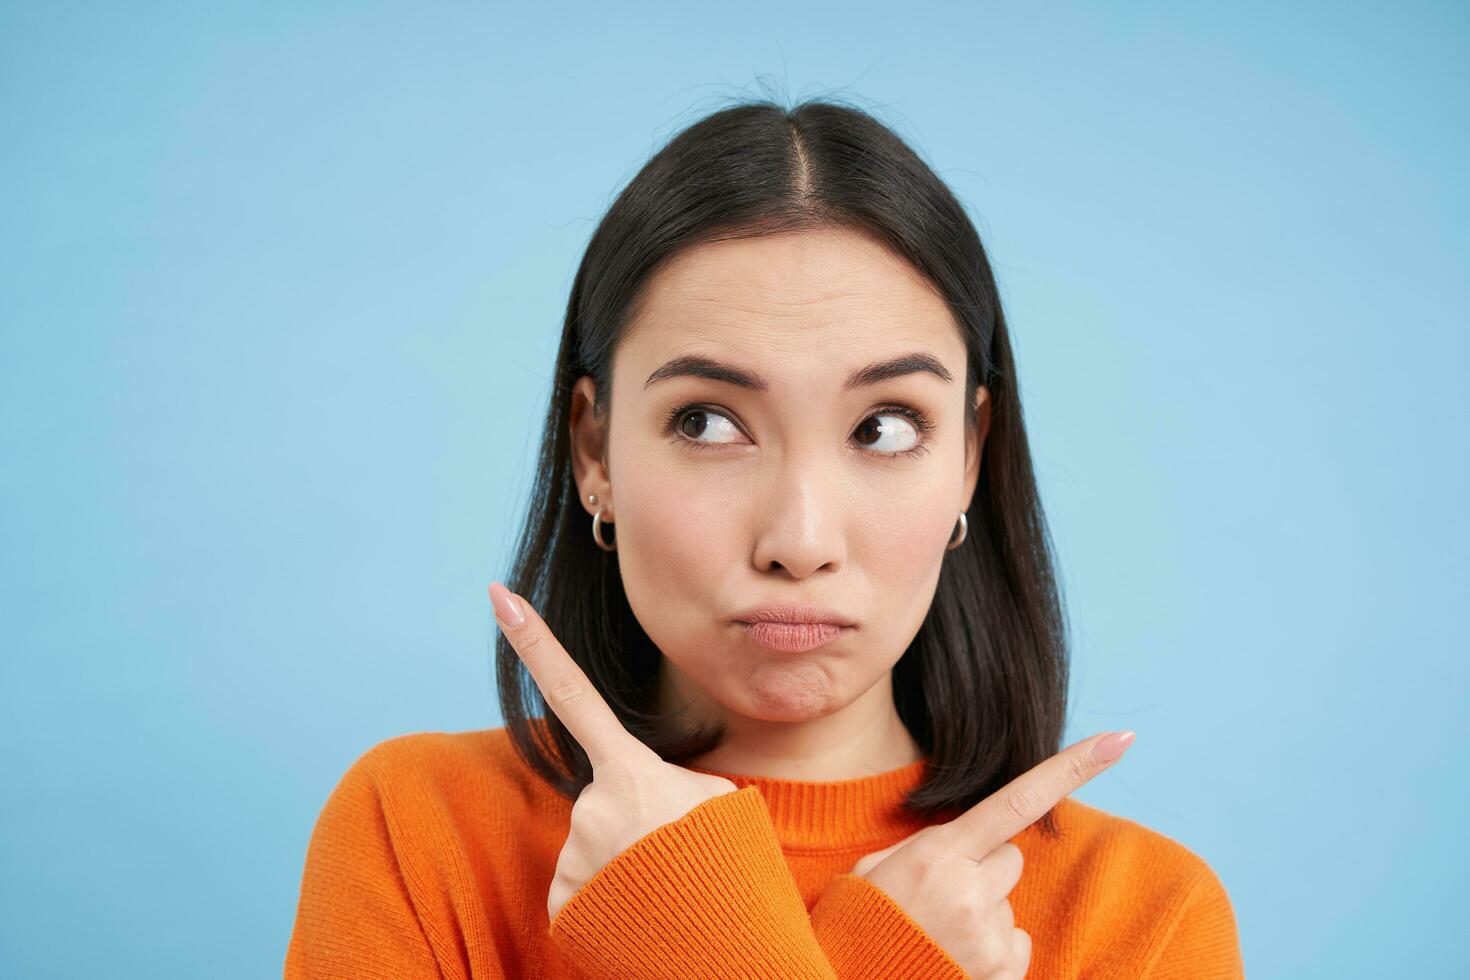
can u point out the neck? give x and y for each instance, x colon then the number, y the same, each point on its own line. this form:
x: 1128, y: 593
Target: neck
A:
x: 863, y: 738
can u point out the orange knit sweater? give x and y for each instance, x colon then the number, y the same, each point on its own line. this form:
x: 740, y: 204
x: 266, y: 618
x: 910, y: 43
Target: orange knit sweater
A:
x: 434, y: 854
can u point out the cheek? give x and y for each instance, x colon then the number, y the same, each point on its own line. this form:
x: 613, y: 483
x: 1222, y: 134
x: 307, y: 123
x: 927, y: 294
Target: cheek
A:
x: 675, y: 524
x: 674, y: 535
x: 904, y: 545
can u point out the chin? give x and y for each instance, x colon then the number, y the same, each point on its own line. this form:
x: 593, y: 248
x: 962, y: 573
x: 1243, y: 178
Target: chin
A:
x: 789, y: 714
x: 790, y: 702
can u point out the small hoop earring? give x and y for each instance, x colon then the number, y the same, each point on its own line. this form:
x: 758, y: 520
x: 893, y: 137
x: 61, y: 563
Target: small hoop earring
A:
x: 964, y: 530
x: 597, y: 527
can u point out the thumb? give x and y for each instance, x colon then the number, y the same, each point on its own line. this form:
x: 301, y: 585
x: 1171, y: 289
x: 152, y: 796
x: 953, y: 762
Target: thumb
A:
x: 868, y: 862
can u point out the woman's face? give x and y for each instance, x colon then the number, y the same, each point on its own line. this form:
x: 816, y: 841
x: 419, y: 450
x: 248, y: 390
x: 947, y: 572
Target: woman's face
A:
x: 805, y: 488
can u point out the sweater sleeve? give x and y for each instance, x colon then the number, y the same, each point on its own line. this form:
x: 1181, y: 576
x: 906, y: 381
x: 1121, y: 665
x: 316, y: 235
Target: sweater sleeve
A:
x: 868, y: 936
x: 1202, y: 941
x: 356, y: 916
x: 707, y: 895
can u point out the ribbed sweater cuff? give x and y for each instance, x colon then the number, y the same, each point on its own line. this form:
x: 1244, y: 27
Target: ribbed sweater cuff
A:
x: 867, y: 936
x: 708, y: 895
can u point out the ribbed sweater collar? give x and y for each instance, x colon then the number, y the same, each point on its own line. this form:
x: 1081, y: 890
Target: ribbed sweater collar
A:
x: 840, y: 814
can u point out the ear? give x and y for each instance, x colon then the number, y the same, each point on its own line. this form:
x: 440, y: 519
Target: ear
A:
x: 589, y: 448
x: 975, y: 443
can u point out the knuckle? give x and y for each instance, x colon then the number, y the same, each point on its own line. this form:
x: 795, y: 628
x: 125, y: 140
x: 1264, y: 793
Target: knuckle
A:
x: 979, y: 899
x: 1022, y: 801
x: 584, y: 809
x: 994, y: 947
x: 932, y: 865
x: 566, y: 694
x: 1080, y: 768
x: 1022, y: 945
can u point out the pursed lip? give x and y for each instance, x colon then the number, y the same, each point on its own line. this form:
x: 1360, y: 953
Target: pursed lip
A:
x: 793, y: 637
x: 795, y: 614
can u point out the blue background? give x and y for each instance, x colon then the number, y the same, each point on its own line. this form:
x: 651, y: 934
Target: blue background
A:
x: 282, y: 285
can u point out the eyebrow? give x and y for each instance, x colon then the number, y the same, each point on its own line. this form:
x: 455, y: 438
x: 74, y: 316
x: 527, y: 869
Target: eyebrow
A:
x: 696, y: 366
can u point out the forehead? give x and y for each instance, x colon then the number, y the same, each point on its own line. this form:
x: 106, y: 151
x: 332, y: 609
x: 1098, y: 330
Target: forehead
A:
x: 792, y: 301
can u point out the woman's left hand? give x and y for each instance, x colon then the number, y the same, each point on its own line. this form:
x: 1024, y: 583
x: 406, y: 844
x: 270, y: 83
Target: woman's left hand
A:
x: 633, y: 791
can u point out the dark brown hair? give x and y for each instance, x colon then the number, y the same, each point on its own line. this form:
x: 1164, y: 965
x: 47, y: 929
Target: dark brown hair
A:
x: 982, y: 688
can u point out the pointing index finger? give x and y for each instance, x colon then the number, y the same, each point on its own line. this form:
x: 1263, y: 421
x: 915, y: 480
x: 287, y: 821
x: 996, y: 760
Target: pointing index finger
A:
x: 562, y: 683
x: 1027, y: 798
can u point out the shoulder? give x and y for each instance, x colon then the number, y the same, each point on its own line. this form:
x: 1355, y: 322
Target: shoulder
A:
x: 428, y: 837
x: 438, y: 774
x: 1141, y: 889
x: 1097, y: 844
x: 399, y: 755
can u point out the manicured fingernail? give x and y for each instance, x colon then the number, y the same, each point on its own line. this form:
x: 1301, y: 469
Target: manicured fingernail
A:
x: 1111, y: 747
x: 507, y: 609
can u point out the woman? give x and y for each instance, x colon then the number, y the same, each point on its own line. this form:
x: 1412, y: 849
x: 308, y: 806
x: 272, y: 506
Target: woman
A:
x: 787, y: 592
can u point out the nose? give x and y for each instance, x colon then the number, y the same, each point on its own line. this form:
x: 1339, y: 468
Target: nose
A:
x: 800, y: 520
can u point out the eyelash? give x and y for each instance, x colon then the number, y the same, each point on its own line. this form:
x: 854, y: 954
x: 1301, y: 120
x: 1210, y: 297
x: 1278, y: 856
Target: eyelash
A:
x: 920, y: 421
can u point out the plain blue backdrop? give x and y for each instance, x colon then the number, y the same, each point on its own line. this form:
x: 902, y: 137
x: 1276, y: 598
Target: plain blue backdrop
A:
x: 281, y: 285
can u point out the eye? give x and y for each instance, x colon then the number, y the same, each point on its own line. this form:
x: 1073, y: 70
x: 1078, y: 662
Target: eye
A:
x: 906, y: 430
x: 901, y: 432
x: 693, y: 421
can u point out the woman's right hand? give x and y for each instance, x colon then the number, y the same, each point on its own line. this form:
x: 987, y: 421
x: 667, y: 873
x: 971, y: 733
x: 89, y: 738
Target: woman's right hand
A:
x: 633, y: 791
x: 953, y: 878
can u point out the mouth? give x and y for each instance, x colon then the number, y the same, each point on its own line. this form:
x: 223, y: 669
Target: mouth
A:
x: 792, y: 637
